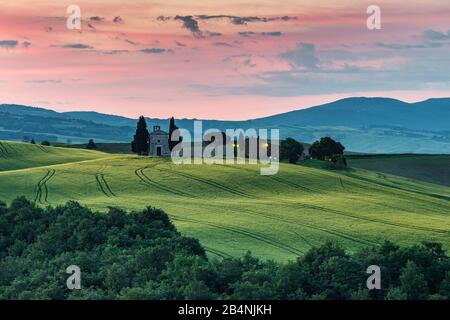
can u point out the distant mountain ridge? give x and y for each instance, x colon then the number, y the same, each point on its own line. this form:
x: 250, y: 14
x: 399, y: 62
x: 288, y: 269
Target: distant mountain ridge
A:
x: 378, y: 125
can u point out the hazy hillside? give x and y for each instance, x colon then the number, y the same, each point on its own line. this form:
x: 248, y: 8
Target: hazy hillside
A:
x: 375, y: 125
x: 428, y: 115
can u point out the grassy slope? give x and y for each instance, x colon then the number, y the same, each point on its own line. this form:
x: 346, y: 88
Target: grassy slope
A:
x: 17, y: 155
x: 232, y: 209
x: 429, y: 168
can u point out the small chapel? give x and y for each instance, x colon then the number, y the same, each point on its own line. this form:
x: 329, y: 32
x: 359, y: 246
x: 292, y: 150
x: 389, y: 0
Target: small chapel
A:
x: 158, y: 142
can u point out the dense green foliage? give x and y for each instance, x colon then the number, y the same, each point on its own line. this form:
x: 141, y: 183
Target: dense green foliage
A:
x: 291, y: 150
x: 139, y: 144
x: 140, y: 255
x: 172, y: 127
x: 91, y: 145
x: 325, y: 148
x: 115, y: 251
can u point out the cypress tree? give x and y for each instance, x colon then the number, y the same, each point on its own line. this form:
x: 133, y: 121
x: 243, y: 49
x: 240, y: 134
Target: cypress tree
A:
x: 140, y: 141
x: 172, y: 128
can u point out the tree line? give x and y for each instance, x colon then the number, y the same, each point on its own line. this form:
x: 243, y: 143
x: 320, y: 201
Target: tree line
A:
x: 290, y: 149
x: 141, y: 255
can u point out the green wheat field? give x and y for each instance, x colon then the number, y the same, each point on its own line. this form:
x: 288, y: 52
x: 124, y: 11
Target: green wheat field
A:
x: 232, y: 208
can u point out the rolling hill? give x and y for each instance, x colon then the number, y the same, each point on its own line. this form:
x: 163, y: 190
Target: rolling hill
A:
x: 232, y: 208
x: 371, y: 125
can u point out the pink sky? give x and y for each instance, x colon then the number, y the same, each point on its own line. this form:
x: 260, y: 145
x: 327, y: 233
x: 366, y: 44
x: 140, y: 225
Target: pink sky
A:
x: 221, y: 68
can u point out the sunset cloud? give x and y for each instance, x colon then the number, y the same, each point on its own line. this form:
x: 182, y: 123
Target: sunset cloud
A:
x: 222, y: 59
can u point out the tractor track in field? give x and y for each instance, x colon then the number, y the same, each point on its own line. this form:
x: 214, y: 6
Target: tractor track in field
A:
x: 270, y: 217
x: 406, y: 190
x: 217, y: 252
x: 42, y: 148
x: 148, y: 182
x: 375, y: 220
x: 281, y: 180
x: 312, y: 226
x: 295, y: 185
x: 307, y: 225
x: 42, y: 188
x: 245, y: 233
x: 210, y: 183
x: 103, y: 185
x: 3, y: 150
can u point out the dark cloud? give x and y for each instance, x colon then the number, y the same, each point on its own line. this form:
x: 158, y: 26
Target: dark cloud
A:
x: 154, y: 50
x: 304, y: 55
x: 246, y: 33
x: 221, y: 44
x: 131, y: 42
x: 213, y: 34
x: 164, y: 18
x: 191, y: 24
x: 272, y: 34
x: 118, y: 20
x: 250, y: 33
x: 76, y: 46
x: 245, y: 20
x: 436, y: 35
x: 114, y: 52
x: 96, y: 18
x: 8, y: 43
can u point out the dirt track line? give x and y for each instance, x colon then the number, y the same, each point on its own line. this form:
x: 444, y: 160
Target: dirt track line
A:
x: 3, y: 150
x: 295, y: 185
x: 148, y: 182
x: 44, y: 184
x: 42, y: 188
x: 209, y: 182
x: 103, y: 185
x: 280, y: 180
x: 107, y: 185
x: 375, y: 220
x: 42, y: 148
x: 246, y: 233
x: 405, y: 190
x: 312, y: 226
x: 39, y: 188
x: 217, y: 252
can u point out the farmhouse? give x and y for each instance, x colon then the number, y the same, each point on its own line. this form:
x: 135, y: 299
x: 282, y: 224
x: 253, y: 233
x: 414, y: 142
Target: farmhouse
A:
x: 158, y: 142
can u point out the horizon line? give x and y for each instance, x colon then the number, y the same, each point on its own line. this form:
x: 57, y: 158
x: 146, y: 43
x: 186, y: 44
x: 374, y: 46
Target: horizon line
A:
x: 228, y: 120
